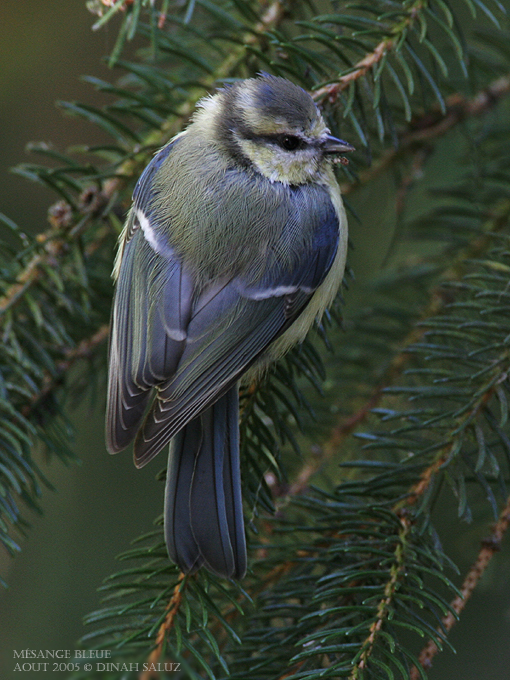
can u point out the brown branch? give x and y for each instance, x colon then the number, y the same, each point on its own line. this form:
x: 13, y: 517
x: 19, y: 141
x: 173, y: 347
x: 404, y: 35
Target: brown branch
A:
x: 23, y: 281
x: 435, y: 124
x: 415, y: 493
x: 54, y: 242
x: 51, y: 380
x: 384, y: 605
x: 346, y: 427
x: 172, y: 609
x: 110, y: 3
x: 371, y: 59
x: 455, y: 271
x: 498, y: 220
x: 490, y: 546
x: 332, y: 90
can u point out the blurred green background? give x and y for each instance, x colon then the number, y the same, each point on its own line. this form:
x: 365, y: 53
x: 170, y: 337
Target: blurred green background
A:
x: 103, y: 502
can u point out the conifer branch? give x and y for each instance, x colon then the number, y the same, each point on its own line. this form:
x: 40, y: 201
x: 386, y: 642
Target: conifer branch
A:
x: 455, y: 271
x: 490, y: 546
x: 172, y: 609
x: 331, y: 609
x: 370, y: 60
x: 52, y: 380
x: 385, y: 605
x: 452, y: 439
x: 53, y: 244
x: 434, y: 124
x: 402, y: 510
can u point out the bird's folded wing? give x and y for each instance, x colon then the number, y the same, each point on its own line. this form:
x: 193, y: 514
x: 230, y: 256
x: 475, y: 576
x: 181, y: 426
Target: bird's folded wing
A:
x: 151, y: 312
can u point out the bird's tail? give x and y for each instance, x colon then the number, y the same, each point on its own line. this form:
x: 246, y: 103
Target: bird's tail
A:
x: 203, y: 504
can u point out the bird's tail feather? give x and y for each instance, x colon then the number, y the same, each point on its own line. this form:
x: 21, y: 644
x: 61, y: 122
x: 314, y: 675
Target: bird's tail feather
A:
x: 203, y: 504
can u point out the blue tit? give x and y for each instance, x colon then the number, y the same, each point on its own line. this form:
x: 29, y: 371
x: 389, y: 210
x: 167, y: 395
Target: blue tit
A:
x: 235, y: 244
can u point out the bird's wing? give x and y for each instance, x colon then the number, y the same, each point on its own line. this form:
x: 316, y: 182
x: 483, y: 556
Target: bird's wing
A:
x: 150, y: 315
x: 231, y: 323
x: 151, y: 311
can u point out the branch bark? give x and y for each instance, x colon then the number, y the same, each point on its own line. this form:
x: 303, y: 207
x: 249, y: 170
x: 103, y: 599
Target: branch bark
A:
x: 490, y: 546
x: 370, y: 60
x: 435, y: 124
x: 172, y: 609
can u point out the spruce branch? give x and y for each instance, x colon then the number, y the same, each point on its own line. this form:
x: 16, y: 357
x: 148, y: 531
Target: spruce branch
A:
x: 304, y: 605
x: 52, y: 245
x: 52, y: 380
x: 453, y: 438
x: 172, y: 608
x: 434, y: 124
x: 385, y: 604
x: 468, y: 417
x: 490, y: 546
x: 372, y: 59
x: 454, y: 271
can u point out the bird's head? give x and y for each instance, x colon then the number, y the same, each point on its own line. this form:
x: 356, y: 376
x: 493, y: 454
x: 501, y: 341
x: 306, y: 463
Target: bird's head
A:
x: 272, y: 126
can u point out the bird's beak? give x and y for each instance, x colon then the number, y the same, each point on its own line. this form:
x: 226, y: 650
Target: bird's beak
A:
x: 332, y: 145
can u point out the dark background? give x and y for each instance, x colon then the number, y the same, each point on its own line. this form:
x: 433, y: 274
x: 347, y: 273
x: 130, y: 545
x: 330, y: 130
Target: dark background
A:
x: 102, y: 503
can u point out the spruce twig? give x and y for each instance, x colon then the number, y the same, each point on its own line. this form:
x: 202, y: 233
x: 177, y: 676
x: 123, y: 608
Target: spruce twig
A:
x: 490, y: 546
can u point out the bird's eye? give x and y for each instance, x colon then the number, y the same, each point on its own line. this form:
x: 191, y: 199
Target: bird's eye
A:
x: 290, y: 142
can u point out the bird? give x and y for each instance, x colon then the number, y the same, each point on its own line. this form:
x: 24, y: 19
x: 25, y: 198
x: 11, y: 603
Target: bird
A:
x: 234, y: 245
